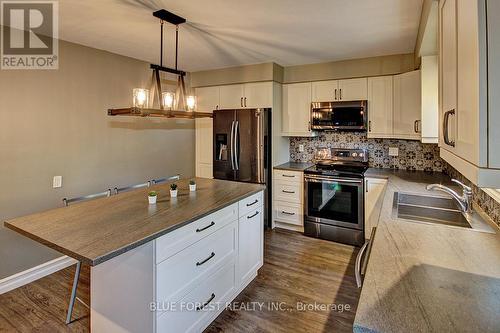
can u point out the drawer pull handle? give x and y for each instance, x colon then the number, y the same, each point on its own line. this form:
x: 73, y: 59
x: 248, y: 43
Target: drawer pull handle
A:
x: 199, y: 263
x: 256, y: 213
x: 199, y: 308
x: 291, y: 192
x: 205, y: 228
x: 287, y: 213
x: 253, y: 203
x: 289, y: 176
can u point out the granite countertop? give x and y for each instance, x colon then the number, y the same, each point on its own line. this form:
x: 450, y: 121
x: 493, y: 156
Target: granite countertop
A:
x: 98, y: 230
x: 428, y: 277
x: 294, y: 166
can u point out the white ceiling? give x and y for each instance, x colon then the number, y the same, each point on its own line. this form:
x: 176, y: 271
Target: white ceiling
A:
x: 223, y: 33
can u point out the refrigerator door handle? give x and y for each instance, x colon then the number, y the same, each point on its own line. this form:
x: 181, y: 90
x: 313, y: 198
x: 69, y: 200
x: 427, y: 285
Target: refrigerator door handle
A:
x: 231, y: 144
x: 236, y: 144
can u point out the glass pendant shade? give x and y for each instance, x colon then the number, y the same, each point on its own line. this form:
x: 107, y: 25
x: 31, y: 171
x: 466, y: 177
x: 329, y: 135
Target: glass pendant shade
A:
x: 168, y: 99
x: 191, y: 102
x: 141, y: 98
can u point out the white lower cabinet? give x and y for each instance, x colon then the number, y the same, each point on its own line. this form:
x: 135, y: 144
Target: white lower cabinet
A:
x: 288, y: 199
x: 250, y: 230
x: 195, y: 311
x: 204, y: 265
x: 374, y: 196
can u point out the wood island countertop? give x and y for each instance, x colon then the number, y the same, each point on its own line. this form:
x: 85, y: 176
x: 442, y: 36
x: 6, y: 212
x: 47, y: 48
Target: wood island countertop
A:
x: 98, y: 230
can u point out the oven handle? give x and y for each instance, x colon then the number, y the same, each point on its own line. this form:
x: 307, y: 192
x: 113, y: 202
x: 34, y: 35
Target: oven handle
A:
x: 331, y: 180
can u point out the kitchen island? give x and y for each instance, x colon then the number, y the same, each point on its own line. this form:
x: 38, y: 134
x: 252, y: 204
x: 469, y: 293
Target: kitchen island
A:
x: 164, y: 267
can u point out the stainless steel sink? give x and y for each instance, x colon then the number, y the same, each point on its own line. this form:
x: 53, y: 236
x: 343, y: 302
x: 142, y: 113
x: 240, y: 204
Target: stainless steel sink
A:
x: 431, y: 209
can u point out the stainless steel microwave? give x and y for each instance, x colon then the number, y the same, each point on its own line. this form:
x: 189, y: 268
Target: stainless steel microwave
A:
x: 335, y: 116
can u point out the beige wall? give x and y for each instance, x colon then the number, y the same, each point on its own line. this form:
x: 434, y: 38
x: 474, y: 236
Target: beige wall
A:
x: 54, y: 122
x: 230, y: 75
x: 374, y: 66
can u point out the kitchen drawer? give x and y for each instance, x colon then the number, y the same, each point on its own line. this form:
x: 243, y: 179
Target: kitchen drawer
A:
x: 214, y: 292
x: 289, y: 213
x: 177, y: 240
x: 179, y: 273
x: 287, y: 175
x: 287, y: 191
x: 251, y: 203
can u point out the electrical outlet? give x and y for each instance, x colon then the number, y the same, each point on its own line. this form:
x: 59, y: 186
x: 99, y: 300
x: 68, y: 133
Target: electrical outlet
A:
x: 301, y: 148
x: 393, y: 151
x: 57, y: 182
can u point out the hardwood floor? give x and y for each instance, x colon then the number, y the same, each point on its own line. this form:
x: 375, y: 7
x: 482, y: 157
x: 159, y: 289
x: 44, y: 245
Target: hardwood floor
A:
x: 41, y: 305
x: 297, y: 270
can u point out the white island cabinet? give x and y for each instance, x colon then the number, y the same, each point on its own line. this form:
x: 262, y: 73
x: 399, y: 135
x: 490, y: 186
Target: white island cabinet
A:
x: 182, y: 280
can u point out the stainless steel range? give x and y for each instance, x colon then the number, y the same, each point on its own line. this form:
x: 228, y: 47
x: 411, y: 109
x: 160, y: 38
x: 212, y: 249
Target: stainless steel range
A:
x: 334, y: 187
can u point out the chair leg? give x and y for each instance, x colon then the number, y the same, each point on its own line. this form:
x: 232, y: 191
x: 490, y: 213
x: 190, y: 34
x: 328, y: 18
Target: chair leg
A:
x: 73, y: 292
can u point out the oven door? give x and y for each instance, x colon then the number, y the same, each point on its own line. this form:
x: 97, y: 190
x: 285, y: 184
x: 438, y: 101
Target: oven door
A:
x: 334, y: 201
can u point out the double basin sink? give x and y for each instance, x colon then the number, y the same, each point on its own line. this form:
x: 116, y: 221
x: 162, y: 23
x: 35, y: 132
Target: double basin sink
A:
x: 436, y: 210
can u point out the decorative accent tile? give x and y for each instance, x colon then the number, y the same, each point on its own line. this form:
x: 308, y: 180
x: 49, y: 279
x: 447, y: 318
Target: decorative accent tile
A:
x: 413, y: 155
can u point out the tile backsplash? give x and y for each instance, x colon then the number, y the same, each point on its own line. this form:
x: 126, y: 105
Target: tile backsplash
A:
x: 413, y: 155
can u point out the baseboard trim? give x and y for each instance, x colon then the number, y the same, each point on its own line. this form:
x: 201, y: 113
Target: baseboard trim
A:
x: 22, y: 278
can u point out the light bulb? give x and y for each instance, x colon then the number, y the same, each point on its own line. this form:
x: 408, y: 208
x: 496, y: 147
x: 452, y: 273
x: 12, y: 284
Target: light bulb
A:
x: 141, y: 97
x: 168, y: 99
x: 191, y: 102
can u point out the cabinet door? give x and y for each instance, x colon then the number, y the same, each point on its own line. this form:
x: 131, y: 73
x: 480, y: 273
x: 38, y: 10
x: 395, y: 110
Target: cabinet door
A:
x: 469, y: 108
x: 380, y: 106
x: 231, y: 96
x: 250, y: 243
x: 429, y: 84
x: 448, y: 81
x: 325, y: 91
x: 296, y: 109
x: 374, y: 193
x: 204, y: 147
x: 207, y: 99
x: 407, y: 105
x: 353, y: 89
x: 258, y: 95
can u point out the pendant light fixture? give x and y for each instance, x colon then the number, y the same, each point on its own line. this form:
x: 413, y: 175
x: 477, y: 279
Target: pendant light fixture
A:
x: 176, y: 104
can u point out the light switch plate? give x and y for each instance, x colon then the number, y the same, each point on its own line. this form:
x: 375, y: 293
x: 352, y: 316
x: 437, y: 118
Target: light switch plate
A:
x: 57, y: 182
x: 393, y: 151
x: 301, y: 148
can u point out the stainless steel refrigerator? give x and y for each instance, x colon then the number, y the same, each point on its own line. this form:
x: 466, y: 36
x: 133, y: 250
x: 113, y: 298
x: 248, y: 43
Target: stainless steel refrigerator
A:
x: 242, y: 149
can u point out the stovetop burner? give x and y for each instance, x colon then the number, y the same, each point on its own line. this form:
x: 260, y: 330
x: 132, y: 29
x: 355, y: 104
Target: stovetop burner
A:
x: 340, y: 162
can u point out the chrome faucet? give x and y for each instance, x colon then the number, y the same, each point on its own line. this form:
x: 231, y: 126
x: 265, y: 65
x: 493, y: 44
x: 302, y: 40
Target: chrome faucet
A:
x: 464, y: 201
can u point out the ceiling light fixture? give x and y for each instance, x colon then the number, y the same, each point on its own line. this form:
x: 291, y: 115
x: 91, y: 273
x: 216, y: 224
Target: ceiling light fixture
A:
x: 171, y: 105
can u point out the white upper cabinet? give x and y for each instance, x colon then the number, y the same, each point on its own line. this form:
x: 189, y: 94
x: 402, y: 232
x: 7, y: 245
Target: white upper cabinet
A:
x: 468, y: 140
x: 353, y: 89
x: 258, y: 95
x: 207, y: 99
x: 380, y: 106
x: 340, y: 90
x: 248, y: 95
x: 231, y: 96
x: 470, y: 68
x: 407, y: 105
x: 448, y: 75
x: 296, y: 109
x: 325, y: 91
x: 429, y: 69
